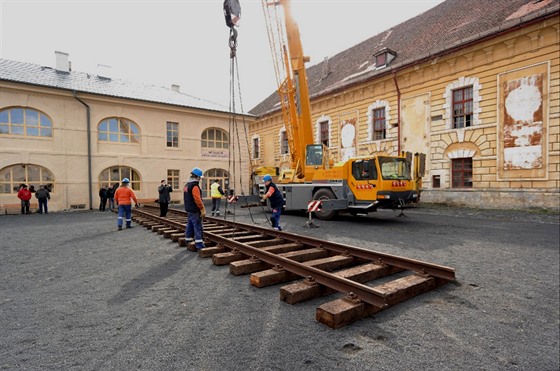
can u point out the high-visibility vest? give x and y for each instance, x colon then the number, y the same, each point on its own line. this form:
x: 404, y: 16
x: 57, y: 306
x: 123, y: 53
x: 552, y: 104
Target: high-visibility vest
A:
x: 214, y: 190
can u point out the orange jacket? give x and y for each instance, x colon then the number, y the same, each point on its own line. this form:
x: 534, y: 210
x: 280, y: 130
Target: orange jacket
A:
x: 123, y: 196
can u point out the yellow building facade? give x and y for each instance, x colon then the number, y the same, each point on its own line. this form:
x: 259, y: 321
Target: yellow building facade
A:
x: 484, y: 110
x: 75, y: 133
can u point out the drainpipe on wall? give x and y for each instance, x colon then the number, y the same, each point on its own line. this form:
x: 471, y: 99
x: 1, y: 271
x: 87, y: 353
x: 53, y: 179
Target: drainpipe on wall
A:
x: 88, y: 147
x: 398, y: 112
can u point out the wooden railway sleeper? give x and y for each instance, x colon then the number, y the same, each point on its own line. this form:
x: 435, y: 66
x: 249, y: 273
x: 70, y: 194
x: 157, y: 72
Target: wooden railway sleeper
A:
x: 376, y: 298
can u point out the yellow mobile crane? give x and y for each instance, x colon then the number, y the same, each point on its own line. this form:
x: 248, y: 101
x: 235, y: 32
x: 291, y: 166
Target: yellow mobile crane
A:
x: 358, y: 185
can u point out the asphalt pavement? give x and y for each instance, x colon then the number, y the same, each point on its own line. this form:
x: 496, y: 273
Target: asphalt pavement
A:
x: 76, y: 294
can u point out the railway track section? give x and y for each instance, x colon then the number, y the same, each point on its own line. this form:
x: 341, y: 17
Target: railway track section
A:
x: 369, y: 281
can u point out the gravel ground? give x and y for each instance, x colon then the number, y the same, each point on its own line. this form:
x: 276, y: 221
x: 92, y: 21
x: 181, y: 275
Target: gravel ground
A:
x: 75, y: 294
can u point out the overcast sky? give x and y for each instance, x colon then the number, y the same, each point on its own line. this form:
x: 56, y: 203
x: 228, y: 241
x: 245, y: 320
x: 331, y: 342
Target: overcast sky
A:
x: 185, y: 42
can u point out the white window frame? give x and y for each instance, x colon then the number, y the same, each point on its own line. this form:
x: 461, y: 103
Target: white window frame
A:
x: 258, y: 138
x: 377, y: 105
x: 460, y: 83
x: 321, y: 119
x: 280, y: 132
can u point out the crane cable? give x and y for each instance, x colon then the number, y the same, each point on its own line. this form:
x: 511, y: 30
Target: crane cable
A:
x: 234, y: 130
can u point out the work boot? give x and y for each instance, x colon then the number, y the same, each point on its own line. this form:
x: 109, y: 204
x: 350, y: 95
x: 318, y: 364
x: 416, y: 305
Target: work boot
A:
x: 120, y: 228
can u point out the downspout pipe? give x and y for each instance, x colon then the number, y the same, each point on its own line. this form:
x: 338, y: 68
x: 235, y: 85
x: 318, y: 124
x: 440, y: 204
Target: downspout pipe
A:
x: 398, y: 112
x: 88, y: 113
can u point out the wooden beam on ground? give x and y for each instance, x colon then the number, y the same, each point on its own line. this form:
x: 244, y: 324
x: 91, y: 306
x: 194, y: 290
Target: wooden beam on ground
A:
x: 175, y: 236
x: 341, y: 312
x: 209, y: 250
x: 275, y: 276
x: 254, y: 265
x: 227, y: 257
x: 307, y: 290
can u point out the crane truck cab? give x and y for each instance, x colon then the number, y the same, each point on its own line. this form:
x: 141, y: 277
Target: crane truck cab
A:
x: 357, y: 186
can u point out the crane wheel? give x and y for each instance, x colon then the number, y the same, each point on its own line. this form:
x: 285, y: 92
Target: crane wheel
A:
x: 325, y: 194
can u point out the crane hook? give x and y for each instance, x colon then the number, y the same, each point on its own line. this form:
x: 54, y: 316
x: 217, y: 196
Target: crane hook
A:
x: 232, y: 42
x: 232, y: 13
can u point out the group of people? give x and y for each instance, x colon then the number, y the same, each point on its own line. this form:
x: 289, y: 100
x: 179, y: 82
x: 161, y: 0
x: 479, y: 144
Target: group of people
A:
x: 42, y: 194
x: 196, y: 210
x: 192, y: 197
x: 194, y: 206
x: 107, y: 195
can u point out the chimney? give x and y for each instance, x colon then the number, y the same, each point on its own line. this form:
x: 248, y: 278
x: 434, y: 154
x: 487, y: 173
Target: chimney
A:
x: 175, y: 88
x: 326, y: 68
x: 62, y: 63
x: 104, y: 71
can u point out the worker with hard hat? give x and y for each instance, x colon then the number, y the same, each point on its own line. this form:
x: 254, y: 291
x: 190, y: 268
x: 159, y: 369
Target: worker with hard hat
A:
x: 124, y: 196
x: 216, y: 192
x: 276, y: 201
x: 192, y: 196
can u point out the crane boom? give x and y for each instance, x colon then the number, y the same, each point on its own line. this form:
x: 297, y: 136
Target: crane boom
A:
x: 356, y: 185
x: 294, y: 92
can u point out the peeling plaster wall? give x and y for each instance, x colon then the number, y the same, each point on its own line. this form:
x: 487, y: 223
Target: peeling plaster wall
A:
x: 514, y: 136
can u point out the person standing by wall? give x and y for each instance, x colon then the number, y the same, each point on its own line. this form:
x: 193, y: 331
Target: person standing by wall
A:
x: 164, y: 198
x: 111, y: 196
x: 194, y: 207
x: 124, y: 196
x: 102, y: 198
x: 216, y: 192
x: 43, y: 195
x: 276, y: 201
x: 24, y: 195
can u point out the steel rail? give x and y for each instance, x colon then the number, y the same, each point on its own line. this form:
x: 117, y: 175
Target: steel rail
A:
x: 414, y: 265
x: 362, y: 292
x: 418, y: 266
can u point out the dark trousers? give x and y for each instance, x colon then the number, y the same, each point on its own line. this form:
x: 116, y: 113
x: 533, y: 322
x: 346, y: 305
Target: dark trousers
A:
x: 43, y: 205
x: 275, y: 218
x: 102, y: 204
x: 194, y: 229
x: 163, y: 208
x: 216, y: 206
x: 25, y: 207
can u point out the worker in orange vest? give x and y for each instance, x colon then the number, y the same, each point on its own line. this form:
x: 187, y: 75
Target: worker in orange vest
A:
x: 124, y: 197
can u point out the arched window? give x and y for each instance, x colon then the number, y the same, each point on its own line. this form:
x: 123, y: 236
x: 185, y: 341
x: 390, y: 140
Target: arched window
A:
x: 210, y: 176
x: 215, y: 138
x: 33, y: 175
x: 118, y: 129
x: 25, y: 121
x: 115, y: 174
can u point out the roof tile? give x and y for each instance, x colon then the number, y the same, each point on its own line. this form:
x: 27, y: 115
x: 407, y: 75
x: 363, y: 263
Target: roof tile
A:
x: 81, y: 82
x: 448, y: 25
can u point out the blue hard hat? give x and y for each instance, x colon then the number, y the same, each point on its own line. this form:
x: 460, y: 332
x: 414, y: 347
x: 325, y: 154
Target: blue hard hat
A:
x: 196, y: 171
x: 267, y: 177
x: 126, y: 180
